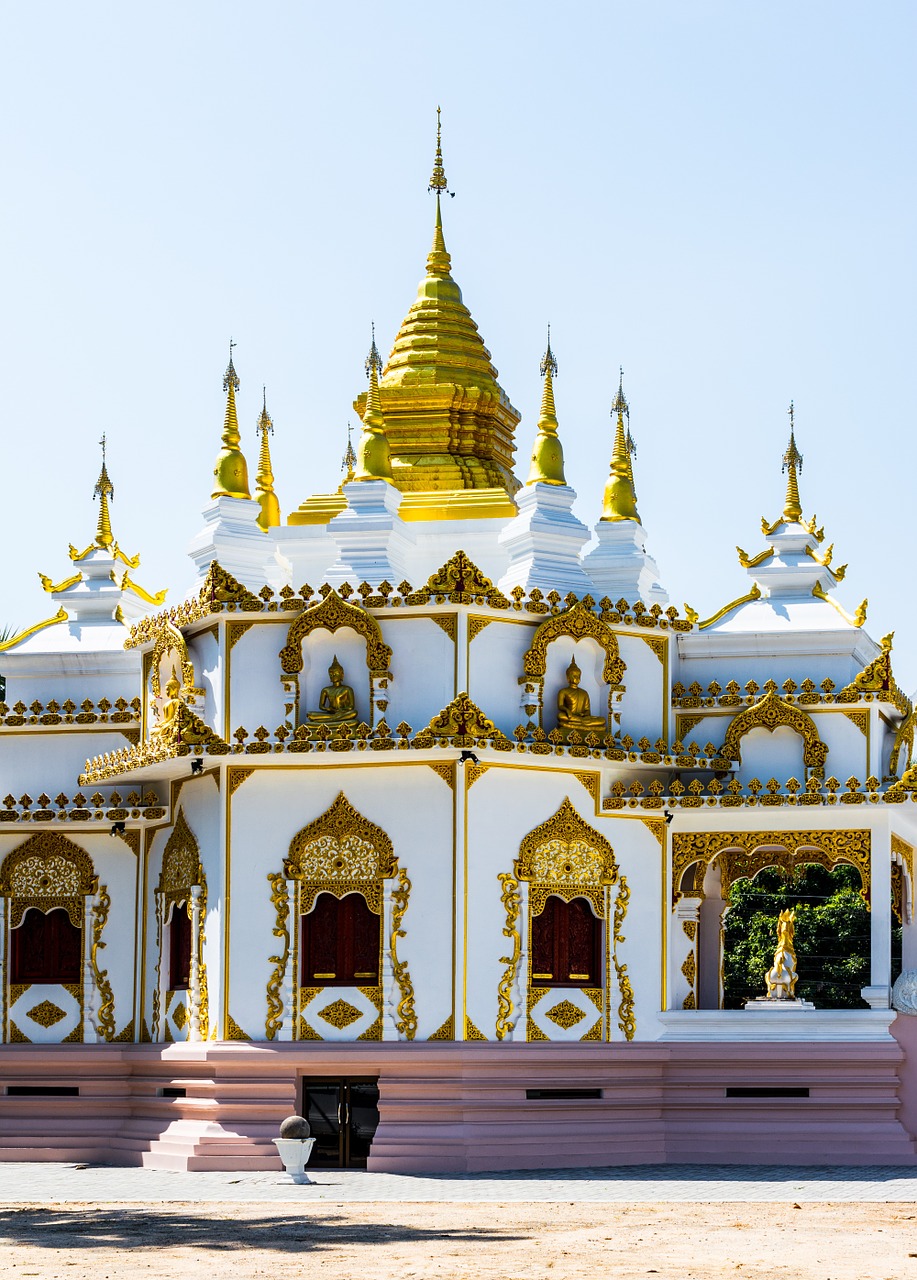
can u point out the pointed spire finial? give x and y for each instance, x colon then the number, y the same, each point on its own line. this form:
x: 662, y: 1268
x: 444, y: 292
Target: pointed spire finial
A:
x: 374, y: 461
x: 349, y: 460
x: 438, y: 181
x: 104, y: 491
x: 438, y: 260
x: 264, y: 480
x: 620, y: 501
x: 231, y: 469
x: 547, y: 452
x: 792, y: 464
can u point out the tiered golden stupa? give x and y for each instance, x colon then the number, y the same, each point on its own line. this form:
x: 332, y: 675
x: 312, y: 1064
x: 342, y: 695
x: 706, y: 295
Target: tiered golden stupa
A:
x: 449, y: 424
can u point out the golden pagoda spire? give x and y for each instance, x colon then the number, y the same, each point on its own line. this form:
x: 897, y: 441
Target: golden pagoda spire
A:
x: 438, y: 260
x: 104, y: 491
x: 547, y: 452
x: 792, y: 464
x: 620, y: 502
x: 374, y: 461
x: 264, y: 480
x: 231, y: 469
x: 349, y: 460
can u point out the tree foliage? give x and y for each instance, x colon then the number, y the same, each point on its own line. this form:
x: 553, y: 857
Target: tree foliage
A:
x: 832, y: 935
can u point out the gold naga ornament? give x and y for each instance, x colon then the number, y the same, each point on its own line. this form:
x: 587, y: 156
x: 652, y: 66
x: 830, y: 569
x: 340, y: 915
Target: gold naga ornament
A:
x: 781, y: 978
x: 620, y: 500
x: 231, y: 469
x: 547, y: 452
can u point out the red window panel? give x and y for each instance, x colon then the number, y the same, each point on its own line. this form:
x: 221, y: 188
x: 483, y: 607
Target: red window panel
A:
x: 180, y: 948
x: 566, y: 945
x: 340, y: 943
x: 46, y: 948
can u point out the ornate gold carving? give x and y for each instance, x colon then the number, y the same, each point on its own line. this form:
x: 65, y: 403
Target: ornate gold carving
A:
x: 512, y: 903
x: 658, y: 644
x: 770, y: 712
x: 180, y: 1015
x: 221, y: 587
x: 745, y: 853
x: 233, y: 1030
x: 689, y: 968
x: 181, y: 870
x: 460, y: 581
x: 471, y: 1031
x: 689, y: 1002
x: 876, y: 676
x: 106, y: 1020
x: 657, y: 828
x: 125, y: 1035
x: 464, y: 724
x: 235, y: 631
x: 860, y: 719
x: 60, y: 616
x: 566, y: 857
x: 341, y: 852
x: 473, y: 772
x: 16, y: 1036
x: 592, y: 782
x: 857, y: 619
x: 331, y: 614
x: 684, y: 725
x: 578, y: 622
x: 237, y: 775
x: 47, y: 871
x: 565, y: 1015
x: 280, y: 901
x: 46, y: 1014
x: 445, y: 1032
x: 447, y: 622
x: 340, y: 1014
x: 373, y: 1032
x: 476, y: 625
x: 446, y: 770
x: 407, y: 1018
x: 690, y: 928
x: 627, y: 1021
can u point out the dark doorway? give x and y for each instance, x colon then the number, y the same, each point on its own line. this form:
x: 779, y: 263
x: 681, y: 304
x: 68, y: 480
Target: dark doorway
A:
x: 343, y: 1116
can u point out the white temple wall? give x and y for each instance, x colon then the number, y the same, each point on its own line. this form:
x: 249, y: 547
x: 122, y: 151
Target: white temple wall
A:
x: 204, y: 652
x: 423, y: 669
x: 767, y: 754
x: 494, y: 668
x: 643, y: 704
x: 36, y: 762
x: 256, y: 696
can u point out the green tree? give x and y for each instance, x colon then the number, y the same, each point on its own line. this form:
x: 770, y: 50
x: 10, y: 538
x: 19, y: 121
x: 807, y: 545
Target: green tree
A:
x: 832, y: 935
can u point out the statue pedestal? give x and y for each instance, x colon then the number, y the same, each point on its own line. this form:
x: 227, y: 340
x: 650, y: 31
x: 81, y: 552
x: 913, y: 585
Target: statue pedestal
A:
x: 769, y: 1005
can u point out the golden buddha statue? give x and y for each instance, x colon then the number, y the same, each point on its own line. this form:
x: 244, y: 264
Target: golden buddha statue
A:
x: 573, y: 709
x: 336, y: 704
x: 171, y: 705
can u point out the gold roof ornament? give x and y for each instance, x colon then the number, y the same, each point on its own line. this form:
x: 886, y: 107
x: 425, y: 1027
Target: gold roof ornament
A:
x: 547, y: 452
x: 264, y: 480
x: 349, y: 460
x: 231, y: 470
x: 620, y: 501
x: 792, y: 465
x: 104, y: 491
x: 374, y: 461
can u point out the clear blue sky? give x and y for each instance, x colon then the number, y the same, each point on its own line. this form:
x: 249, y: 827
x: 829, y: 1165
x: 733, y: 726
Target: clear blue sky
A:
x: 718, y: 196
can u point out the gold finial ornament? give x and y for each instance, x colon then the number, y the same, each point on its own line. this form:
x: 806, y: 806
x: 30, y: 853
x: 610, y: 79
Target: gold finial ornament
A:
x: 547, y: 452
x: 105, y: 492
x: 792, y: 464
x: 620, y: 502
x: 349, y: 460
x: 264, y: 480
x: 231, y: 470
x: 374, y: 461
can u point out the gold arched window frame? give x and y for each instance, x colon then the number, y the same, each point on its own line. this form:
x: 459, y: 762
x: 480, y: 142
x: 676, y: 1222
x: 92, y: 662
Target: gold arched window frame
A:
x: 772, y: 712
x: 46, y: 872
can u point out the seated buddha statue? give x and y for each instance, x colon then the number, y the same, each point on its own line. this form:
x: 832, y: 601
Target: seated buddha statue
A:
x: 171, y: 705
x: 336, y: 704
x: 573, y: 709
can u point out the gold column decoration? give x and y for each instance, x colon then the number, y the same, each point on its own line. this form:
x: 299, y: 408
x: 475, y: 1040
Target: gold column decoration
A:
x: 547, y: 452
x: 264, y: 480
x: 512, y: 903
x: 104, y: 491
x: 106, y: 1016
x: 792, y: 465
x: 620, y: 501
x: 231, y: 470
x: 627, y: 1021
x: 407, y: 1018
x: 374, y: 460
x: 280, y: 900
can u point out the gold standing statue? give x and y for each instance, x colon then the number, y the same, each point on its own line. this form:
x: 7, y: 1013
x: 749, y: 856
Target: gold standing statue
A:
x: 573, y: 709
x: 781, y: 978
x: 336, y: 704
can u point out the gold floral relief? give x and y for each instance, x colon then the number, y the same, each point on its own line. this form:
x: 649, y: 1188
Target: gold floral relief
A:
x: 46, y: 871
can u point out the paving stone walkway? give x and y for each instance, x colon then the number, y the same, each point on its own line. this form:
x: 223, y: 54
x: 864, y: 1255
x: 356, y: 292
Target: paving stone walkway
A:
x: 60, y: 1183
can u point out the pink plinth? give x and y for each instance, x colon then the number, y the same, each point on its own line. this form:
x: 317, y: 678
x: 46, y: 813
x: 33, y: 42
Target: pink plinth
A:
x: 463, y: 1107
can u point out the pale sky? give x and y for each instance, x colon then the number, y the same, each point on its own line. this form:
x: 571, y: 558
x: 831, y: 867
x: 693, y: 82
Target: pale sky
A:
x: 719, y: 196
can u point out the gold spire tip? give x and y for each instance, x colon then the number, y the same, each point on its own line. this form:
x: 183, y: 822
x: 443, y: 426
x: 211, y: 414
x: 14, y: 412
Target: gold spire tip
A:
x: 104, y: 491
x: 265, y: 421
x: 620, y: 404
x: 792, y: 464
x: 230, y: 377
x: 349, y: 460
x: 548, y: 361
x: 373, y: 360
x: 438, y: 181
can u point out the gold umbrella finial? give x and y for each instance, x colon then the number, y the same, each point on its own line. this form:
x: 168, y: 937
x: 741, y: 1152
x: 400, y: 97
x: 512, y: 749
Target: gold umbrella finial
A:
x: 792, y: 464
x: 374, y: 461
x: 349, y: 460
x: 105, y: 492
x: 547, y: 452
x: 264, y: 480
x: 231, y: 470
x: 620, y: 501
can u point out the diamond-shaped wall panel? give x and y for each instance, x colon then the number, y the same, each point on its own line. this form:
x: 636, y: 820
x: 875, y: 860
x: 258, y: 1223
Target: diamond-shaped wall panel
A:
x: 340, y: 1013
x: 47, y: 1013
x: 565, y: 1014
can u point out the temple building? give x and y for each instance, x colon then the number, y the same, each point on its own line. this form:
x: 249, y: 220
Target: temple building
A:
x: 420, y: 814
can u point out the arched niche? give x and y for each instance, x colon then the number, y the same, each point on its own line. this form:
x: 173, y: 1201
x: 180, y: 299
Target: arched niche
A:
x: 168, y: 658
x: 771, y: 712
x: 776, y: 753
x: 583, y: 636
x: 182, y: 886
x: 334, y: 628
x: 340, y: 852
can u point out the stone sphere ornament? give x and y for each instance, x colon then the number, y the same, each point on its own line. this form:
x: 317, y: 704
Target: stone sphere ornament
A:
x: 904, y: 992
x: 295, y: 1127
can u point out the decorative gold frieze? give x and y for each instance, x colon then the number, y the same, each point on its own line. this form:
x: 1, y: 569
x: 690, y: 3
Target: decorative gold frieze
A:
x: 658, y: 644
x: 235, y: 631
x: 476, y: 625
x: 446, y: 770
x: 447, y: 622
x: 473, y: 772
x: 445, y: 1032
x: 578, y: 622
x: 860, y: 719
x: 464, y: 724
x: 471, y: 1031
x: 233, y: 1030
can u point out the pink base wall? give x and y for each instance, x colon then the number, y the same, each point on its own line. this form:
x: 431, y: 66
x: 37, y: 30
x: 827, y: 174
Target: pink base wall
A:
x: 463, y: 1107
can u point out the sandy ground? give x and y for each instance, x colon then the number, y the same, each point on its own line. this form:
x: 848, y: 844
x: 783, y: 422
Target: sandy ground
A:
x: 515, y: 1241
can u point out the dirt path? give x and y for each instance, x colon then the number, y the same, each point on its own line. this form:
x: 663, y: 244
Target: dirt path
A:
x: 385, y: 1241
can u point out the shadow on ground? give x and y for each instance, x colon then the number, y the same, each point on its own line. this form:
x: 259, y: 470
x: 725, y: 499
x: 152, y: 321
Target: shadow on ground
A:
x: 308, y: 1231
